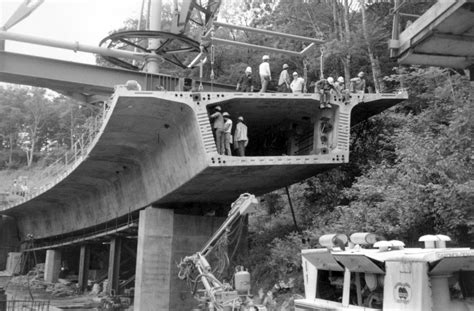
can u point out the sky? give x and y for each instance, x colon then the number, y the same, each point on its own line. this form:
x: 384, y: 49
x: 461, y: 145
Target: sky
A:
x: 84, y: 21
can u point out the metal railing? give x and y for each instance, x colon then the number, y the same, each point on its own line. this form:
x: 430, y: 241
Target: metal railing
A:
x: 20, y: 305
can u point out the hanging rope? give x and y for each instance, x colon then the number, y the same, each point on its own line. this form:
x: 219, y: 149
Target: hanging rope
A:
x: 305, y: 74
x: 213, y: 57
x: 201, y: 65
x: 321, y: 64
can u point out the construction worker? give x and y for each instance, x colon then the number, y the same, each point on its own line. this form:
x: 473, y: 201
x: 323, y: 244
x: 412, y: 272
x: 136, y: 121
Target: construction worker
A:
x: 265, y: 74
x: 218, y: 127
x: 358, y: 83
x: 284, y: 81
x: 245, y: 83
x: 227, y: 133
x: 324, y: 88
x: 339, y: 84
x: 241, y: 139
x: 297, y: 84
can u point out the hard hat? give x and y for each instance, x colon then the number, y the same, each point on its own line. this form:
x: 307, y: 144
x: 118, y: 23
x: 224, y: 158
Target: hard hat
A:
x: 285, y: 66
x: 241, y: 118
x: 248, y: 69
x: 331, y: 80
x: 218, y: 108
x: 340, y: 80
x: 361, y: 74
x: 295, y: 73
x: 226, y: 114
x: 265, y: 57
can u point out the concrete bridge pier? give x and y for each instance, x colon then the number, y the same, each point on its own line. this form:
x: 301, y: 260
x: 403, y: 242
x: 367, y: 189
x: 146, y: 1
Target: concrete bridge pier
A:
x: 164, y: 238
x: 9, y: 240
x: 84, y: 260
x: 52, y: 266
x: 115, y: 252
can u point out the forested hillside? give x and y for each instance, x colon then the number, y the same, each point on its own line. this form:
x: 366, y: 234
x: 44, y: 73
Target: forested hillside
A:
x: 410, y: 170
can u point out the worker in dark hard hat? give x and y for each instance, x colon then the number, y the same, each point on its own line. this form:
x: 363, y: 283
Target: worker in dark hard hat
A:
x: 284, y: 81
x: 227, y: 133
x: 218, y: 127
x: 265, y: 74
x: 241, y: 139
x: 358, y: 83
x: 245, y: 83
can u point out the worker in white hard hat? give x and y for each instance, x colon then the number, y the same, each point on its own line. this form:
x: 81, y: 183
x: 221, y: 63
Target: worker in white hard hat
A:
x: 218, y: 127
x: 265, y: 74
x: 228, y: 133
x: 245, y: 82
x: 241, y: 139
x: 297, y: 84
x: 358, y: 83
x: 339, y: 84
x: 284, y: 81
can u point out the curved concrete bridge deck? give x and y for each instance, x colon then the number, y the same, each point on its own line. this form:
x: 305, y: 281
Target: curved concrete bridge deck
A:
x: 157, y: 148
x: 442, y: 36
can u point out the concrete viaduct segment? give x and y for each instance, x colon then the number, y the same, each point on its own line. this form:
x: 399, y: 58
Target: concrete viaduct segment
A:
x: 151, y: 170
x: 442, y: 36
x: 157, y: 148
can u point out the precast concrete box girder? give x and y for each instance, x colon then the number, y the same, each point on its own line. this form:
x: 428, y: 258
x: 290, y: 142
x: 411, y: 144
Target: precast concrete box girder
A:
x: 157, y: 148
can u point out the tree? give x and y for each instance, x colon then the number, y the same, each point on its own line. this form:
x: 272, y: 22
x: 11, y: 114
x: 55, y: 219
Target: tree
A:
x: 428, y: 188
x: 11, y: 100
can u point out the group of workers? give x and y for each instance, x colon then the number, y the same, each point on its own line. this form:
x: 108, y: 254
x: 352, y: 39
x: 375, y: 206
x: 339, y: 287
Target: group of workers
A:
x: 222, y: 127
x: 325, y: 87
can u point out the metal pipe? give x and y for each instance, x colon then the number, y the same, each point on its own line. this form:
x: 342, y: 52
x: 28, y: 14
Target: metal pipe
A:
x: 22, y: 12
x: 253, y: 46
x: 395, y: 27
x: 153, y: 62
x: 75, y: 46
x: 269, y: 32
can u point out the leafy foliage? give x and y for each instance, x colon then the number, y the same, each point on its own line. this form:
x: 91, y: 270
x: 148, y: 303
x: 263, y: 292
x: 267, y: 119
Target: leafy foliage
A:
x: 34, y: 123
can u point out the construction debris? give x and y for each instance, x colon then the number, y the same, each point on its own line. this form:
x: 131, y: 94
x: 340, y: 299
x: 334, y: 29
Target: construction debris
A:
x: 34, y: 280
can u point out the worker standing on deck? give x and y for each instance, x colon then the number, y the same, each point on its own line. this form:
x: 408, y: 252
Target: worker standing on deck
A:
x: 297, y: 84
x: 265, y: 74
x: 241, y: 139
x: 228, y: 133
x: 245, y: 82
x: 218, y: 127
x: 284, y: 81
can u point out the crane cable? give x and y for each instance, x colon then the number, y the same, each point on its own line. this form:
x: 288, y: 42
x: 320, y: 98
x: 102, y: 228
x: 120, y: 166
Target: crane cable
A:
x: 201, y: 65
x: 213, y: 58
x: 305, y: 74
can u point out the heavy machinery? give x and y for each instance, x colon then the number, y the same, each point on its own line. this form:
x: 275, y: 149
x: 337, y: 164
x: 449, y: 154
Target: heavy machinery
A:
x: 349, y: 275
x: 212, y: 293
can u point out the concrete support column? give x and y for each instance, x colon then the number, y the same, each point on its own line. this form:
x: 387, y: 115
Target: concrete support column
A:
x: 84, y: 259
x: 189, y: 235
x: 52, y: 266
x: 9, y: 241
x: 164, y: 238
x: 114, y: 265
x: 154, y: 249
